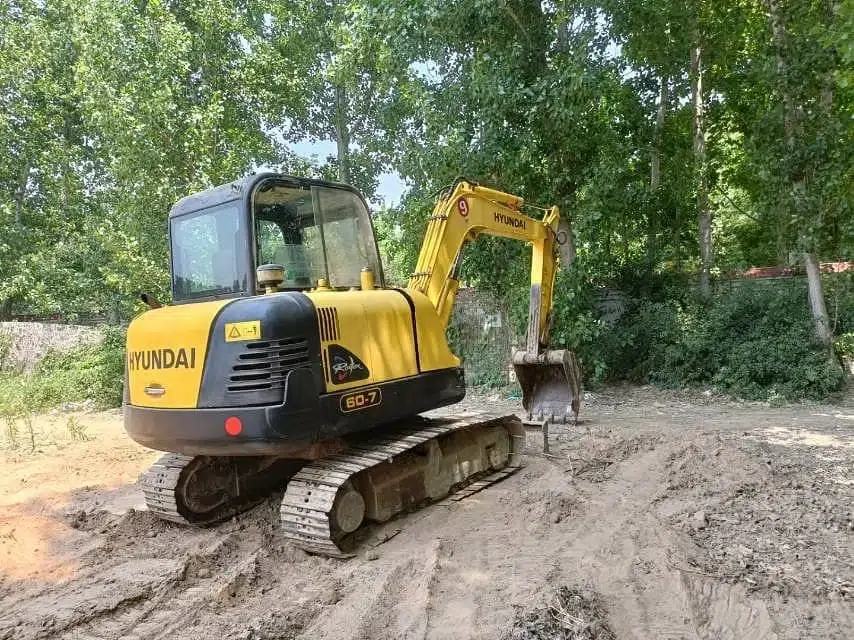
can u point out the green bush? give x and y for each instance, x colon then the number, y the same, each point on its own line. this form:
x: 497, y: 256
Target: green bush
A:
x: 485, y: 365
x: 839, y: 297
x: 845, y: 345
x: 629, y: 349
x: 753, y: 342
x: 77, y: 375
x: 485, y: 353
x: 575, y: 322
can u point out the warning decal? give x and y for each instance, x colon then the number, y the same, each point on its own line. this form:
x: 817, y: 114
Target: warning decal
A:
x: 235, y: 331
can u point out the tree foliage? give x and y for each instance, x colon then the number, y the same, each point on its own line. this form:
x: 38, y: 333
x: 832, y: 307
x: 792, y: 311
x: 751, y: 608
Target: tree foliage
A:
x: 114, y: 109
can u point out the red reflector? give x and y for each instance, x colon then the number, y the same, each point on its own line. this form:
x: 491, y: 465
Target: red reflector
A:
x: 233, y: 426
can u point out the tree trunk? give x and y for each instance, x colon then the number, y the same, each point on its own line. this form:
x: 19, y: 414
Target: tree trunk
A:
x: 816, y: 293
x: 655, y: 154
x: 782, y: 242
x: 704, y: 214
x: 791, y: 113
x: 533, y: 34
x: 778, y: 36
x: 342, y: 134
x: 655, y: 169
x: 677, y: 240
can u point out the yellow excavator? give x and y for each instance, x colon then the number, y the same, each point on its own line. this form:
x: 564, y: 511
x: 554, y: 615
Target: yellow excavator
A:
x: 285, y: 360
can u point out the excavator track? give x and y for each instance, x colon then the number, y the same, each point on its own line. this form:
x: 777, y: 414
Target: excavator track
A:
x: 327, y: 500
x: 204, y: 490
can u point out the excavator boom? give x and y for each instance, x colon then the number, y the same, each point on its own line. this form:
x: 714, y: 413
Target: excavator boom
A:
x: 550, y: 379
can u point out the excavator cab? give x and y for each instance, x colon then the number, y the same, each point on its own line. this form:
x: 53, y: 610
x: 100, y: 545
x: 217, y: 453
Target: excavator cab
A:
x: 318, y: 232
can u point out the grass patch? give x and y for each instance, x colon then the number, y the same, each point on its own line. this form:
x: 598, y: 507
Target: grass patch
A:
x: 20, y: 431
x: 10, y: 431
x: 76, y: 430
x: 571, y: 615
x: 5, y: 350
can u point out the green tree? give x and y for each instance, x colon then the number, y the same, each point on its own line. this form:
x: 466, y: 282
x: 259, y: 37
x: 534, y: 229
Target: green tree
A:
x: 813, y: 159
x: 114, y: 110
x: 326, y: 74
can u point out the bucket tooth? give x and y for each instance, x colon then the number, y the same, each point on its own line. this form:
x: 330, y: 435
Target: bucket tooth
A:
x: 551, y: 384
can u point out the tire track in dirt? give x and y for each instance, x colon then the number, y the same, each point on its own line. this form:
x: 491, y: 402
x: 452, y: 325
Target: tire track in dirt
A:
x: 614, y: 521
x: 210, y: 573
x: 159, y: 586
x: 478, y: 561
x: 246, y: 580
x: 617, y: 546
x: 637, y: 559
x: 491, y: 559
x: 386, y: 599
x: 93, y: 596
x: 765, y: 522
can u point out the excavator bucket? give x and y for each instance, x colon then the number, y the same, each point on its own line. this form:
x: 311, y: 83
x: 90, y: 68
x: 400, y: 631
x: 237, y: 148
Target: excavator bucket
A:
x: 551, y: 384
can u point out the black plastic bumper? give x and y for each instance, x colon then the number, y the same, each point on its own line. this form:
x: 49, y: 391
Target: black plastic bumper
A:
x: 266, y: 430
x: 286, y: 430
x: 202, y: 431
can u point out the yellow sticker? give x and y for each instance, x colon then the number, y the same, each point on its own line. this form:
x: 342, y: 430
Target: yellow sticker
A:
x: 235, y: 331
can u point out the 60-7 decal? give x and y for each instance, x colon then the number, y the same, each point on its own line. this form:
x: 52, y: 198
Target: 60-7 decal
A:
x: 361, y: 400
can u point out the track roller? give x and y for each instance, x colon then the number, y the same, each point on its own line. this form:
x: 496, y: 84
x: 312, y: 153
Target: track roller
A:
x: 204, y: 490
x: 328, y: 500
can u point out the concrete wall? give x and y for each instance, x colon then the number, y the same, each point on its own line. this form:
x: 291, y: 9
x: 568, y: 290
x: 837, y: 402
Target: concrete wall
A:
x: 23, y: 344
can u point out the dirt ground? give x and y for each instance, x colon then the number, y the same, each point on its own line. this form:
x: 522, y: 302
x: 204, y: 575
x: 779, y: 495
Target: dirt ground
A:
x: 666, y: 515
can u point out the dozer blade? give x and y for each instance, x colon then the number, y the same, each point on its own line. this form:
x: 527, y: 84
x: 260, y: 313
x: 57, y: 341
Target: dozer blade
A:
x: 551, y: 384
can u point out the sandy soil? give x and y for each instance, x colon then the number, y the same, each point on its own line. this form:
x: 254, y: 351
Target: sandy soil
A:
x: 670, y: 516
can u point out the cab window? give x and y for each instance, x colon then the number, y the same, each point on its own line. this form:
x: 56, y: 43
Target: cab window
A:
x: 313, y: 232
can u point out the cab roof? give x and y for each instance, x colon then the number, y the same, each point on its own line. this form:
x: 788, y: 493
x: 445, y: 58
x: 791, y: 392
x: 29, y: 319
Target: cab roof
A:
x: 241, y: 188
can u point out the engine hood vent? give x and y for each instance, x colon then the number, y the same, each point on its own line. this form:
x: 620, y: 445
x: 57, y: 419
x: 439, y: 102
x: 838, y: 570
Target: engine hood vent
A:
x: 264, y: 365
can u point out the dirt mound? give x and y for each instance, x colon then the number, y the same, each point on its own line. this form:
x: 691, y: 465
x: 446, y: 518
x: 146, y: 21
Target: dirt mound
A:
x: 776, y: 520
x: 86, y: 520
x: 547, y: 497
x: 697, y: 521
x: 710, y: 463
x: 571, y: 615
x: 594, y: 456
x: 550, y: 506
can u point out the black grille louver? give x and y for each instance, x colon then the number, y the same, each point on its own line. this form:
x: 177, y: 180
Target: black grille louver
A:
x: 328, y: 320
x: 326, y: 366
x: 264, y: 365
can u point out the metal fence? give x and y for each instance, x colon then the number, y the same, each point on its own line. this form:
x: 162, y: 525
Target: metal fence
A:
x: 480, y: 332
x: 23, y: 344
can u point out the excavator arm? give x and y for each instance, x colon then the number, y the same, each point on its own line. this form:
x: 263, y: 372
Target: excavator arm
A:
x: 468, y: 211
x: 550, y: 380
